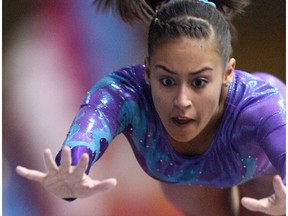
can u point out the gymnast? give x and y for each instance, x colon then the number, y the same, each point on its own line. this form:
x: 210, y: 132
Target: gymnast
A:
x: 212, y: 135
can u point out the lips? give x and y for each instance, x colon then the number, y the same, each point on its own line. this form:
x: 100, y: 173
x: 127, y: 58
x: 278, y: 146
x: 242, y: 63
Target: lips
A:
x: 182, y: 121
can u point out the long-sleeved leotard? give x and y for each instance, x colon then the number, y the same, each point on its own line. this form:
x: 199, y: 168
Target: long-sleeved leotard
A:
x: 250, y: 141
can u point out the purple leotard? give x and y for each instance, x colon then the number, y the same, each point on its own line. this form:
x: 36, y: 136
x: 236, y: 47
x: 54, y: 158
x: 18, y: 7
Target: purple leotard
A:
x: 250, y: 141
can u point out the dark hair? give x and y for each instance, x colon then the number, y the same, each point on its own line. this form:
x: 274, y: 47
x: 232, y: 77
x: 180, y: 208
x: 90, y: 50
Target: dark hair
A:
x: 193, y: 19
x: 131, y: 10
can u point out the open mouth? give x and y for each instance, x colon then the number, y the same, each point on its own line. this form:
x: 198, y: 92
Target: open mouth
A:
x: 182, y: 121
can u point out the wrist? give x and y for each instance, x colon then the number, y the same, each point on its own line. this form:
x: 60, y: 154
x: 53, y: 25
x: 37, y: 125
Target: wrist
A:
x: 69, y: 199
x: 76, y: 154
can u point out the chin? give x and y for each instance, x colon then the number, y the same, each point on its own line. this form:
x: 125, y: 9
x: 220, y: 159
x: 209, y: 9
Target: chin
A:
x: 179, y: 138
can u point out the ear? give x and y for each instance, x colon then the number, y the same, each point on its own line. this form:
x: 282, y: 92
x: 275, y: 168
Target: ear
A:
x: 147, y: 69
x: 228, y: 76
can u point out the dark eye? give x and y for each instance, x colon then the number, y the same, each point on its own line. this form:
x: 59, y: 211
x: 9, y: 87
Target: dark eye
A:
x: 199, y: 82
x: 167, y: 82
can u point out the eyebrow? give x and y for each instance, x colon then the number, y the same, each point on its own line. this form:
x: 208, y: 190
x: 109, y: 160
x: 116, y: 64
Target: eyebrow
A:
x: 191, y: 73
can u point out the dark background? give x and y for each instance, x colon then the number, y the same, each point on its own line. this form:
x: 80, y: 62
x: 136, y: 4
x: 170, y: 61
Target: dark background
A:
x: 261, y: 44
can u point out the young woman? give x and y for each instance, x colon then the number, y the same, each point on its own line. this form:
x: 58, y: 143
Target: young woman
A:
x: 195, y: 123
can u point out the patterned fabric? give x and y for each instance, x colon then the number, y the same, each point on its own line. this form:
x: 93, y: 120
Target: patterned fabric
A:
x: 250, y: 141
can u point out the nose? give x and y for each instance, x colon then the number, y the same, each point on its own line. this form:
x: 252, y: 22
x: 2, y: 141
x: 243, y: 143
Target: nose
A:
x: 183, y: 98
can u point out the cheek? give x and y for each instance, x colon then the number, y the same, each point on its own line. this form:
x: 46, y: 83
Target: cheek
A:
x: 161, y: 101
x: 209, y: 103
x: 208, y: 107
x: 158, y: 100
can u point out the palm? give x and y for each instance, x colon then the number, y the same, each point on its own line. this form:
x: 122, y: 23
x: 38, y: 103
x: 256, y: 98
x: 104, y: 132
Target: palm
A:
x: 67, y: 181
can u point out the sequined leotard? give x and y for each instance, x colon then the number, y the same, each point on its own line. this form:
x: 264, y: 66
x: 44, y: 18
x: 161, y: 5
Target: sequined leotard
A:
x: 250, y: 140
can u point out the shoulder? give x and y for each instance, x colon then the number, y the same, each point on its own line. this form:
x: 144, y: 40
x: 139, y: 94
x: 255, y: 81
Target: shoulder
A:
x: 128, y: 74
x: 254, y: 103
x: 120, y: 79
x: 133, y: 72
x: 249, y: 92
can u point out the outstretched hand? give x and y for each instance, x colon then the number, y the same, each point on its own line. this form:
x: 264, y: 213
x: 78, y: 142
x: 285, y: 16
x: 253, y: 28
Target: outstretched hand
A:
x: 273, y: 205
x: 66, y: 181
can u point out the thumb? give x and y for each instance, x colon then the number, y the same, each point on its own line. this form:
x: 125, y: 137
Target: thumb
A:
x: 105, y: 185
x: 279, y: 187
x: 252, y: 204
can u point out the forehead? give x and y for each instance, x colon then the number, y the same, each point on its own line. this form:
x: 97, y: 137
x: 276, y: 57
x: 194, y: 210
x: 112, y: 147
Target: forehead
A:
x: 184, y: 55
x: 185, y: 47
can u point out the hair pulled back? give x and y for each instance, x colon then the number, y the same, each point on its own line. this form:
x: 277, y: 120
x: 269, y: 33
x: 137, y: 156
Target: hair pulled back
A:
x: 131, y: 10
x: 192, y: 19
x: 145, y: 10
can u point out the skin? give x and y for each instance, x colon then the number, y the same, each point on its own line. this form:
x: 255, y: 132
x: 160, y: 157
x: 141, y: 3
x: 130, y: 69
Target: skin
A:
x: 190, y: 107
x: 67, y: 181
x: 188, y: 80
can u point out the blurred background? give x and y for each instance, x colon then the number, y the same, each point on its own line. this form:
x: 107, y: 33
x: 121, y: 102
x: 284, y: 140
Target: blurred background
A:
x: 53, y: 51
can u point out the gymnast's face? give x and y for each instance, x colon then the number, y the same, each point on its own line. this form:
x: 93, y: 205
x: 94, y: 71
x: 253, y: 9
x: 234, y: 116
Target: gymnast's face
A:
x: 187, y: 78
